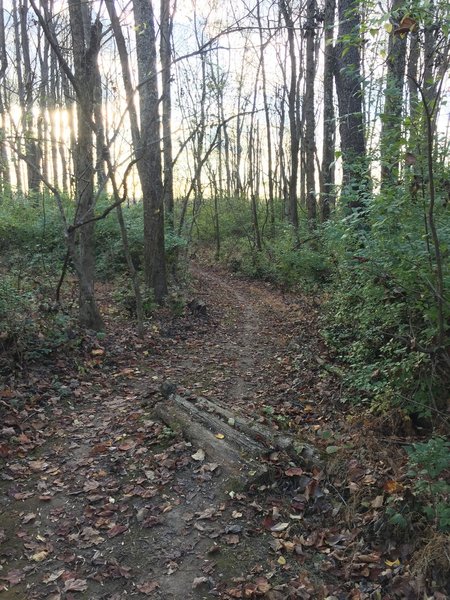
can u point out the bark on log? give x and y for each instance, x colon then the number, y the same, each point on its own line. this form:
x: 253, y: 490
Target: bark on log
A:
x: 244, y: 442
x: 235, y: 452
x: 304, y: 454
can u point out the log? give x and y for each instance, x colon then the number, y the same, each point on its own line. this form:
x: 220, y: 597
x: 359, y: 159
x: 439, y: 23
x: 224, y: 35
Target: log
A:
x: 242, y: 443
x: 303, y: 454
x: 236, y: 453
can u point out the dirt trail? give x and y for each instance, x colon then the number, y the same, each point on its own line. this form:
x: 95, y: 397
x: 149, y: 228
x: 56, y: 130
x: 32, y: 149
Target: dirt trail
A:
x: 103, y: 503
x: 100, y: 501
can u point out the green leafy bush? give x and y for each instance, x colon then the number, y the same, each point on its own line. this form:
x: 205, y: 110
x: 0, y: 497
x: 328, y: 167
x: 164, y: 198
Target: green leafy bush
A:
x: 31, y: 327
x: 31, y: 235
x: 429, y: 465
x: 382, y: 314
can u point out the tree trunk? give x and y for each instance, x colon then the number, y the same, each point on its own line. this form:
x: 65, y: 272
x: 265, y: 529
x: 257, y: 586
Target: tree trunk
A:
x: 85, y: 51
x: 327, y: 199
x: 235, y: 443
x: 391, y: 130
x: 294, y: 126
x: 27, y: 105
x: 349, y: 92
x: 149, y: 152
x: 270, y: 174
x: 5, y: 178
x: 166, y: 58
x: 310, y: 141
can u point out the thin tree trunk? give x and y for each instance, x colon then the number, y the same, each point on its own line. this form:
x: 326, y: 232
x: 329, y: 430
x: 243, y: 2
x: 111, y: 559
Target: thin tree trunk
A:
x: 5, y: 177
x: 293, y: 115
x: 166, y: 57
x: 329, y: 124
x: 270, y: 174
x: 27, y: 103
x: 145, y: 138
x: 310, y: 141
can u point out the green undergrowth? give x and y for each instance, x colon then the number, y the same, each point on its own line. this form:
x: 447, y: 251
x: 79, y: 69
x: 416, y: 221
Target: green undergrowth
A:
x: 382, y: 317
x: 32, y: 254
x: 32, y: 327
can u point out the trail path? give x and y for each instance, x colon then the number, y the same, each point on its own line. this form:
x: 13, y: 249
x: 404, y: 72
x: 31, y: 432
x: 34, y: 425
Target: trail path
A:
x: 100, y: 501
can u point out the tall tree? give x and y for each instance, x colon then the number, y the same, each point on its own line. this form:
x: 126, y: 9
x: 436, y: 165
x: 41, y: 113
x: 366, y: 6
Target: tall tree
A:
x: 391, y: 129
x: 329, y: 121
x: 5, y: 179
x: 86, y: 40
x: 310, y: 125
x: 149, y: 151
x: 270, y: 174
x: 349, y: 92
x: 166, y: 19
x: 293, y: 110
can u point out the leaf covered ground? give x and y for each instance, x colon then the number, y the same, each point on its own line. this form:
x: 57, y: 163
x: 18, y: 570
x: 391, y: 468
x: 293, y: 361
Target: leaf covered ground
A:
x: 100, y: 500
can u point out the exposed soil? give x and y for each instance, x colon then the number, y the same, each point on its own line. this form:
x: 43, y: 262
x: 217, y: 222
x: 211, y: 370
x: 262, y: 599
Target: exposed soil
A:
x: 99, y: 500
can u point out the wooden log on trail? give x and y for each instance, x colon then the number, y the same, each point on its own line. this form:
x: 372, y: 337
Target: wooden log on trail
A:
x: 238, y: 444
x: 231, y: 449
x: 303, y: 454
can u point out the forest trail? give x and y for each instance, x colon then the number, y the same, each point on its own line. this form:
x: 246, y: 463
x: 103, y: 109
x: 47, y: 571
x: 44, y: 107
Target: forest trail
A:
x: 100, y: 501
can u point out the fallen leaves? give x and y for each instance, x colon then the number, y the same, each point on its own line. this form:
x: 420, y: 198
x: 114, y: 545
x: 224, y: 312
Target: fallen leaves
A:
x: 75, y: 585
x: 13, y: 577
x: 106, y: 483
x: 199, y: 455
x: 148, y: 587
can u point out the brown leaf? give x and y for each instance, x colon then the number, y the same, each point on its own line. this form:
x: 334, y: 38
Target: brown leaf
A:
x: 99, y: 449
x: 91, y: 485
x: 116, y: 530
x: 235, y: 592
x: 263, y: 586
x: 13, y: 577
x: 208, y: 513
x: 293, y: 472
x: 128, y: 445
x: 40, y: 556
x: 5, y: 450
x: 369, y: 558
x: 393, y: 487
x: 199, y: 581
x: 51, y: 577
x: 279, y: 527
x: 406, y: 25
x: 75, y: 585
x: 377, y: 502
x: 28, y: 518
x: 37, y: 465
x: 148, y: 587
x: 97, y: 352
x: 231, y: 539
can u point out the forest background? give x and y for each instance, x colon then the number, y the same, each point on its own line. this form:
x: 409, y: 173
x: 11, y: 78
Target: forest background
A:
x: 304, y: 143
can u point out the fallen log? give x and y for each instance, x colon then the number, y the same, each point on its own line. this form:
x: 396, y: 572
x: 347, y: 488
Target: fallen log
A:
x: 303, y: 454
x: 231, y: 449
x: 238, y: 444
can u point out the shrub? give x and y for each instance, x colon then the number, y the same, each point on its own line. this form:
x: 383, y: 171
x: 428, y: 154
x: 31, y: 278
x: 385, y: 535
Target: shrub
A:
x: 427, y: 492
x: 381, y: 317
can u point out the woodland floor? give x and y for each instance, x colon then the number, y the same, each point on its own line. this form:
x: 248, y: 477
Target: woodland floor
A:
x: 99, y: 500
